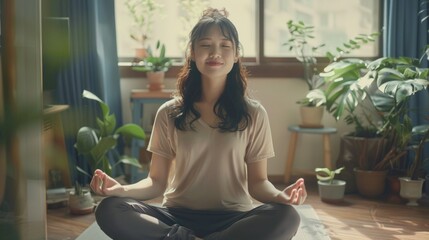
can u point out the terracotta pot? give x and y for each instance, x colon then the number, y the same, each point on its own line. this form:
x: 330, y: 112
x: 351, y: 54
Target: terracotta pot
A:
x: 311, y: 117
x: 141, y: 53
x: 356, y: 152
x: 371, y: 184
x: 155, y: 80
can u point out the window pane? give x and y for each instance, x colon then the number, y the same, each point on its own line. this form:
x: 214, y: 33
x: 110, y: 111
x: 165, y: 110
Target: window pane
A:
x: 170, y: 27
x: 335, y: 22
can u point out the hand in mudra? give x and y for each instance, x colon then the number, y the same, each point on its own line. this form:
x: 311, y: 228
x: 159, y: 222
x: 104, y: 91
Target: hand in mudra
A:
x: 103, y: 184
x: 294, y: 194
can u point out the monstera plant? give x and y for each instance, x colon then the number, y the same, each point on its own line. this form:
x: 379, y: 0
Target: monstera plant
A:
x: 373, y: 97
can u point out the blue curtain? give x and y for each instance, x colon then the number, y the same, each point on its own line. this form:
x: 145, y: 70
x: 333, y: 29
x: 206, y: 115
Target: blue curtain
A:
x: 407, y: 35
x: 93, y: 67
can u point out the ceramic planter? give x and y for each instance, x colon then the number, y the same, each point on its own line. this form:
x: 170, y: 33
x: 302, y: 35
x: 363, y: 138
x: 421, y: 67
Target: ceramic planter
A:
x: 411, y: 190
x: 311, y: 117
x: 332, y: 192
x: 81, y: 204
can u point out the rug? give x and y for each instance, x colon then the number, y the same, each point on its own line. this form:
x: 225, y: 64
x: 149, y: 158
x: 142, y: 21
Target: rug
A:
x: 310, y: 228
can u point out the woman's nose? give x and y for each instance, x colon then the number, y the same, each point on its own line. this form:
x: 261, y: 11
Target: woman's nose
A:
x: 215, y: 52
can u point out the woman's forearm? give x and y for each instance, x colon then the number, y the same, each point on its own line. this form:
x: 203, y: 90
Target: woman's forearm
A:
x: 143, y: 190
x: 264, y: 191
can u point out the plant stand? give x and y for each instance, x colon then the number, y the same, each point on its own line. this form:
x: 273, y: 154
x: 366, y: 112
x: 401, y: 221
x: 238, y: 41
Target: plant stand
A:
x: 294, y: 132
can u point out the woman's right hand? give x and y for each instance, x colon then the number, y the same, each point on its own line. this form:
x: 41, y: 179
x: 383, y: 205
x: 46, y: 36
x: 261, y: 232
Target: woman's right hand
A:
x: 103, y: 184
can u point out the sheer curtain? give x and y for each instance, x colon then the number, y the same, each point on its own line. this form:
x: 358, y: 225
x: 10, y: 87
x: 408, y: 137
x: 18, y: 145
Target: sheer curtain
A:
x: 407, y: 35
x: 93, y: 67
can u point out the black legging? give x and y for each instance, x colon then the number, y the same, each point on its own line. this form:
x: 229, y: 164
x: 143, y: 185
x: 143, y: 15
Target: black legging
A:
x: 128, y: 219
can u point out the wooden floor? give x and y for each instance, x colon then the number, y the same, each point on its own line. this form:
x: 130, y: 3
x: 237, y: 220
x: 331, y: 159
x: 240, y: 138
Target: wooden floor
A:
x: 356, y: 218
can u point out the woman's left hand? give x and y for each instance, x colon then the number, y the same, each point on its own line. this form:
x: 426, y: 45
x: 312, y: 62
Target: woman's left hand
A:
x: 294, y: 194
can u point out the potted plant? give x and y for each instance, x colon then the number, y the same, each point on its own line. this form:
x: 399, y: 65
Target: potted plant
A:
x: 373, y: 97
x: 80, y: 200
x: 412, y: 184
x: 155, y: 67
x: 312, y: 106
x: 330, y: 190
x: 96, y: 145
x: 143, y: 13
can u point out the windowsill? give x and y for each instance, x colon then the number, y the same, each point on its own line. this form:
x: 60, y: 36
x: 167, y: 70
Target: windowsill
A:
x: 274, y: 68
x: 267, y: 70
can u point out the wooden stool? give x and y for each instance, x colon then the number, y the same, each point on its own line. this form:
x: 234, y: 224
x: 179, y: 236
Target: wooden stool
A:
x: 295, y: 130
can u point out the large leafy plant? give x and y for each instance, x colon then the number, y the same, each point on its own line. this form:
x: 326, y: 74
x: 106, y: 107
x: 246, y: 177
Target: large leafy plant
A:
x: 95, y: 144
x: 373, y: 96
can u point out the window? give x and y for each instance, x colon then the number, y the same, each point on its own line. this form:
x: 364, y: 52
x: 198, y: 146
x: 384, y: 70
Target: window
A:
x: 171, y: 28
x: 264, y: 54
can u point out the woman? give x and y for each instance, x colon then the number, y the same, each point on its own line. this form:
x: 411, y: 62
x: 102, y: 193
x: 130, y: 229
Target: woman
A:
x: 220, y: 141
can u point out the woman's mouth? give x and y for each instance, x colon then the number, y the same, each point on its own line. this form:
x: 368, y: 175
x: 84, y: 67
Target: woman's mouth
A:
x: 214, y: 63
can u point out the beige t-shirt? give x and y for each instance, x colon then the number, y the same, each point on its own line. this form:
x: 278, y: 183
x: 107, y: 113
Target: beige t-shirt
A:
x: 210, y: 169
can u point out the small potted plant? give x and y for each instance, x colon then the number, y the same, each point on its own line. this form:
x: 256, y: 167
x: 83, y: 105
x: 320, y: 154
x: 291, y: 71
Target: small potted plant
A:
x: 301, y: 35
x: 155, y: 66
x: 80, y: 200
x: 412, y: 184
x: 330, y: 190
x: 95, y: 145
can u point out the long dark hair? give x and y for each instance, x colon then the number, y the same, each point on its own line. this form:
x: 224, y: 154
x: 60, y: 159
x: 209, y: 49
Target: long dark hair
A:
x: 231, y: 107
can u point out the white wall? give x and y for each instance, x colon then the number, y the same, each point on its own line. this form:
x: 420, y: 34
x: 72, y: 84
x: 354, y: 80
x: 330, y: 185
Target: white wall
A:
x: 278, y: 97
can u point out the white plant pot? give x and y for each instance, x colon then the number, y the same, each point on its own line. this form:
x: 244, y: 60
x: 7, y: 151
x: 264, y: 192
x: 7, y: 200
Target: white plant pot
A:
x: 411, y: 190
x: 332, y: 192
x: 81, y: 204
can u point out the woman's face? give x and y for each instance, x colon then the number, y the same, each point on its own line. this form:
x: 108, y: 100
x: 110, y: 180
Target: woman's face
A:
x: 214, y: 54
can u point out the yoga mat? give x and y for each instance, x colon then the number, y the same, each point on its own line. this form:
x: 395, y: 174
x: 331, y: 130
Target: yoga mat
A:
x: 310, y: 228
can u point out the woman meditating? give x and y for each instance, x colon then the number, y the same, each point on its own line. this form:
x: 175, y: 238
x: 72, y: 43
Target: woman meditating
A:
x: 220, y: 140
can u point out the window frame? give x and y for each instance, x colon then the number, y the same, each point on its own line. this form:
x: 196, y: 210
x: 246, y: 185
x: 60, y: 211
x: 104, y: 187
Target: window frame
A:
x: 260, y: 66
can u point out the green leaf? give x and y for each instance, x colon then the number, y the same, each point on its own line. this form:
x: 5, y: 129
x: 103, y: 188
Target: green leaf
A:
x: 109, y: 124
x: 86, y: 140
x: 130, y: 161
x: 324, y: 174
x: 132, y: 130
x: 104, y: 108
x: 104, y: 145
x: 338, y: 171
x: 79, y: 169
x: 420, y: 129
